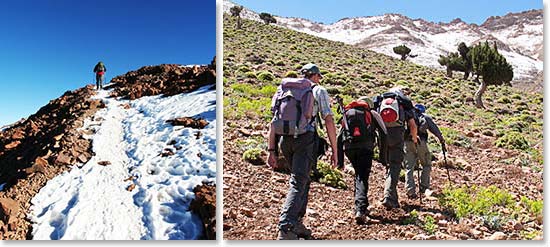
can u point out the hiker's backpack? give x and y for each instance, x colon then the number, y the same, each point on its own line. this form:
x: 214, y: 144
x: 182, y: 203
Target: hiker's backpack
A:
x: 292, y: 107
x: 391, y: 110
x: 357, y: 127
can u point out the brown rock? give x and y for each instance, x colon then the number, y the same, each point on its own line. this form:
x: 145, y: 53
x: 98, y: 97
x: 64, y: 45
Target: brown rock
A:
x: 9, y: 209
x: 58, y: 137
x: 167, y: 152
x: 131, y: 187
x: 247, y: 212
x: 204, y: 205
x: 18, y: 135
x: 63, y: 159
x: 104, y: 163
x: 41, y: 161
x: 36, y: 168
x: 498, y: 236
x: 82, y: 158
x: 12, y: 144
x: 188, y: 122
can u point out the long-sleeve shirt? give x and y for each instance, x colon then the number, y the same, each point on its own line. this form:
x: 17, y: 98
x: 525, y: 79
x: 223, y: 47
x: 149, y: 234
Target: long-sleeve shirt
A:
x: 426, y: 123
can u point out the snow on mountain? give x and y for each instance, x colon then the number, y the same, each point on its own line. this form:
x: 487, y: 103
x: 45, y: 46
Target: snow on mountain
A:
x: 138, y: 194
x: 519, y: 36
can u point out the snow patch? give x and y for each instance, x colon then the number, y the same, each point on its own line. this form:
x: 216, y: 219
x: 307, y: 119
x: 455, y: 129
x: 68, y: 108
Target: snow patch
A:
x: 92, y: 201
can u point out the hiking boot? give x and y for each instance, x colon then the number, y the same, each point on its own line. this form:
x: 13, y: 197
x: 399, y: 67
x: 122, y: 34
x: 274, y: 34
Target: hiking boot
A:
x: 389, y: 205
x: 301, y: 230
x: 287, y: 235
x: 361, y: 218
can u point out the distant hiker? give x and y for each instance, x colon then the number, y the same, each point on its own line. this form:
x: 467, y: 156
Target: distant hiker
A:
x: 420, y: 152
x: 99, y: 71
x: 294, y: 106
x: 397, y: 112
x: 357, y: 139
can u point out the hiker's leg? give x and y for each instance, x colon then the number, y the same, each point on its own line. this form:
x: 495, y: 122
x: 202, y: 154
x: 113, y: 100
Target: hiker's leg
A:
x: 97, y: 80
x: 410, y: 163
x: 426, y: 160
x: 395, y: 157
x: 361, y: 159
x: 101, y: 81
x: 301, y: 159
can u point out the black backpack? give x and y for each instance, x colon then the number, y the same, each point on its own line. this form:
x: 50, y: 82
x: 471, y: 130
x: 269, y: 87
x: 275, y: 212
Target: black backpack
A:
x: 358, y: 125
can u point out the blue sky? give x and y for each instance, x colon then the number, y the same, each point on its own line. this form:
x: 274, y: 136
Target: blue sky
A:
x: 49, y: 47
x: 470, y: 11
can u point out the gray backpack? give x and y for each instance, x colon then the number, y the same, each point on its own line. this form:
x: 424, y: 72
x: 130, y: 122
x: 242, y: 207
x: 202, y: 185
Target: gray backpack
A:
x: 292, y: 107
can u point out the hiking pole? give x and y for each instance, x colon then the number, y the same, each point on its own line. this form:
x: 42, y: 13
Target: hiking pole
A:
x: 418, y: 171
x: 446, y: 166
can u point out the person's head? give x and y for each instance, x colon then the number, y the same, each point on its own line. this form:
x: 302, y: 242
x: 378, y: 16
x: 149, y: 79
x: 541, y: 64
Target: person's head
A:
x: 402, y: 91
x: 100, y: 63
x: 311, y: 72
x: 420, y: 108
x: 368, y: 100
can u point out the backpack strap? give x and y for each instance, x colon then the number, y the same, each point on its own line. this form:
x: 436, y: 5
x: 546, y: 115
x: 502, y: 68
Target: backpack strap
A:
x: 317, y: 117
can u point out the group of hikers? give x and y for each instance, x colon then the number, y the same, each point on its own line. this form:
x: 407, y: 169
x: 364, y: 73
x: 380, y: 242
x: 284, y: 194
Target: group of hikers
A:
x: 389, y: 121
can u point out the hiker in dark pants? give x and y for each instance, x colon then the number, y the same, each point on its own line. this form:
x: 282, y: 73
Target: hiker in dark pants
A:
x: 359, y: 149
x: 300, y: 153
x: 394, y: 147
x: 420, y: 152
x: 99, y: 71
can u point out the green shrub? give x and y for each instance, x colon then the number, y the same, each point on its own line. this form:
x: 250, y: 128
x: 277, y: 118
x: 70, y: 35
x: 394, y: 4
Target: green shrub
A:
x: 291, y: 74
x: 412, y: 219
x: 253, y: 156
x: 429, y: 225
x: 454, y: 137
x: 266, y: 76
x: 512, y: 140
x: 250, y: 74
x: 466, y: 201
x: 243, y: 69
x: 504, y: 100
x: 534, y: 207
x: 330, y: 176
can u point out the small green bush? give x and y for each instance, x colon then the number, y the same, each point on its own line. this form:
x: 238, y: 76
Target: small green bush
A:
x: 466, y: 201
x: 454, y: 137
x: 243, y: 69
x: 330, y: 176
x: 250, y: 74
x: 291, y: 74
x: 253, y: 156
x: 512, y: 140
x: 429, y: 225
x: 266, y: 76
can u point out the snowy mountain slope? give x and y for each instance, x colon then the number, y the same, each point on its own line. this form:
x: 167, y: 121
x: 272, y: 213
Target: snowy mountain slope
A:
x: 141, y: 194
x: 519, y: 36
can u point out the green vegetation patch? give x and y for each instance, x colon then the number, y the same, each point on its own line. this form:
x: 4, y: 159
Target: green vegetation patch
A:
x: 330, y: 176
x: 512, y: 140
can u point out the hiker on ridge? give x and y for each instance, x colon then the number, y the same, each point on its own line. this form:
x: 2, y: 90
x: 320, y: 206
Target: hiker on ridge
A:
x: 299, y: 149
x: 99, y: 71
x: 357, y: 140
x: 420, y: 152
x: 397, y: 112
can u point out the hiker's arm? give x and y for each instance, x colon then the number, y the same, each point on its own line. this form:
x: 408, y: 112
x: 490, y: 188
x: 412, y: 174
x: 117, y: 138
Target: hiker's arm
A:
x: 413, y: 129
x: 331, y: 132
x: 272, y: 147
x: 432, y: 127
